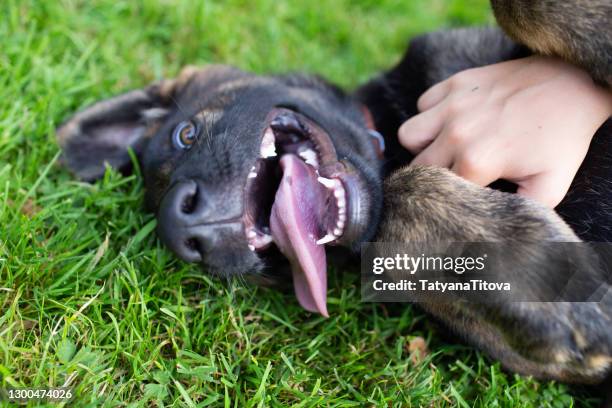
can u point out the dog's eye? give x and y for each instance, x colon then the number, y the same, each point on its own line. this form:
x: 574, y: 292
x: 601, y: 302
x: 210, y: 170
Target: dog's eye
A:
x: 184, y: 135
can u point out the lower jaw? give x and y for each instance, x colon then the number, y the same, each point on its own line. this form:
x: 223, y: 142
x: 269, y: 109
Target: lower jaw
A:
x: 358, y: 206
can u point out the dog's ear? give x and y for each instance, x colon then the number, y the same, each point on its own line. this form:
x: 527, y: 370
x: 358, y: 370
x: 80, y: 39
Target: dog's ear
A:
x: 102, y: 134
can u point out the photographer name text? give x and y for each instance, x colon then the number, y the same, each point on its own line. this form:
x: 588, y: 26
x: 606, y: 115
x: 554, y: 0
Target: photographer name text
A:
x: 426, y: 285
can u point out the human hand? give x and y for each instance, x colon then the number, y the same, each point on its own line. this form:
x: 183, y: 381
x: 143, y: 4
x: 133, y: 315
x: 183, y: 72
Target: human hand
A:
x: 529, y: 121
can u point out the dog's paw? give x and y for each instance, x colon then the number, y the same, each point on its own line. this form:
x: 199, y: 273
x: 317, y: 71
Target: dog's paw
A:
x: 570, y: 341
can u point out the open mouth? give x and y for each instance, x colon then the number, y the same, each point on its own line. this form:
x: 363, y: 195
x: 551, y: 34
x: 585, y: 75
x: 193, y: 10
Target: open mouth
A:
x: 298, y: 197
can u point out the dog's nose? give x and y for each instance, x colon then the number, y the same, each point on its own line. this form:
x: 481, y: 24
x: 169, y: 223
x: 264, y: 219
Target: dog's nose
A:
x: 182, y: 213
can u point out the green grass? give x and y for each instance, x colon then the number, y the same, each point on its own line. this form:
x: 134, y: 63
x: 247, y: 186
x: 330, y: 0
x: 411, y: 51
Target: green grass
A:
x: 88, y: 295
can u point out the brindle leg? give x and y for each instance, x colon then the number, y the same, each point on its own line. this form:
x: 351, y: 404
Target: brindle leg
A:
x: 570, y: 342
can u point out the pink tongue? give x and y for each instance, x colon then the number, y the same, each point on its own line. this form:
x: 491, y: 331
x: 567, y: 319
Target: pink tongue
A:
x: 295, y: 225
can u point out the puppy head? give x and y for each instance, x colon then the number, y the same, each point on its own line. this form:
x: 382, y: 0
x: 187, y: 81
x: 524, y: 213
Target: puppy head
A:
x: 244, y: 172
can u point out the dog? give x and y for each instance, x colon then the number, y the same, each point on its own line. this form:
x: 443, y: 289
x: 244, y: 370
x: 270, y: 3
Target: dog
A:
x: 263, y: 176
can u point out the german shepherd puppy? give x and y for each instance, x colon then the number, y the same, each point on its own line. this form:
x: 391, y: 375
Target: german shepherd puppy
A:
x: 249, y: 173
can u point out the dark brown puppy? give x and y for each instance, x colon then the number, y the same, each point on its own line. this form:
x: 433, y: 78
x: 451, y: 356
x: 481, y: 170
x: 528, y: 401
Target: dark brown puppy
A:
x: 248, y: 174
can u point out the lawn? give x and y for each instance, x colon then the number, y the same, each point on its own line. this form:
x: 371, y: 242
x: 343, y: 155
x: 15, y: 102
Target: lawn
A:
x: 90, y: 298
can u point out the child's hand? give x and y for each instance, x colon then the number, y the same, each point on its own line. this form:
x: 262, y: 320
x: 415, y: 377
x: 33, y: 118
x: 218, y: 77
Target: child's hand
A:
x: 529, y: 121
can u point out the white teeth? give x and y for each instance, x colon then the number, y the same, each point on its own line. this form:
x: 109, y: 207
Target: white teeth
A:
x: 309, y: 156
x: 338, y: 190
x: 326, y: 239
x: 252, y: 173
x: 263, y: 240
x: 257, y: 239
x: 329, y: 183
x: 268, y: 149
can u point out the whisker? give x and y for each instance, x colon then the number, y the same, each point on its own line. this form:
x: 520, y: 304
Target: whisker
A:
x: 209, y: 136
x: 180, y: 108
x: 201, y: 107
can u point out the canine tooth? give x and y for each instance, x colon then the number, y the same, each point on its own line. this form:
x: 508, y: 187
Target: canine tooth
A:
x: 337, y: 232
x: 251, y: 234
x: 268, y: 149
x: 252, y: 247
x: 341, y: 202
x: 252, y: 175
x: 326, y: 239
x: 329, y: 183
x: 309, y: 156
x: 338, y: 192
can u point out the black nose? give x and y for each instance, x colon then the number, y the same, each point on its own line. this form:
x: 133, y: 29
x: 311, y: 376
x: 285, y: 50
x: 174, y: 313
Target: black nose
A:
x: 182, y: 212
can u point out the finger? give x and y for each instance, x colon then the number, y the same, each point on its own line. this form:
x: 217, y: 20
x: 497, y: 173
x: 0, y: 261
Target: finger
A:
x: 419, y: 131
x: 433, y: 95
x: 437, y: 154
x: 547, y: 188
